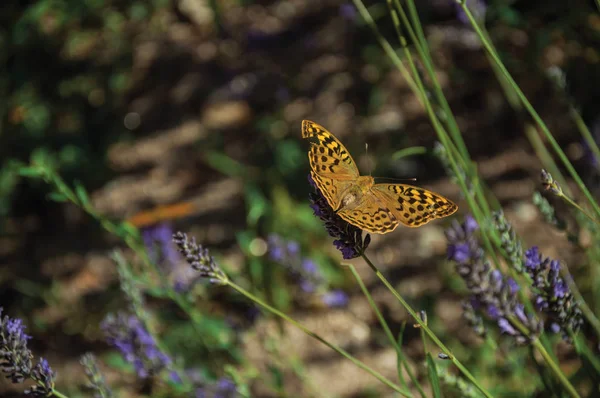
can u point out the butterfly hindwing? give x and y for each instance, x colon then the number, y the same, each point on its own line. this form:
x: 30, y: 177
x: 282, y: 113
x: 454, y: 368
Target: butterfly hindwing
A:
x: 331, y: 189
x: 371, y: 215
x: 413, y: 206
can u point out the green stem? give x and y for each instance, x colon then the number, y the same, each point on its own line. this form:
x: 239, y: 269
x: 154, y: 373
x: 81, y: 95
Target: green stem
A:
x: 423, y: 50
x: 445, y: 140
x: 59, y: 394
x: 585, y: 309
x: 422, y: 324
x: 312, y: 334
x: 556, y: 370
x: 585, y: 132
x: 575, y: 205
x: 530, y: 109
x: 384, y: 325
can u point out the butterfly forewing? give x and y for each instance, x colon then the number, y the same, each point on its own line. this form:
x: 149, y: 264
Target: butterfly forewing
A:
x: 413, y: 206
x: 328, y: 155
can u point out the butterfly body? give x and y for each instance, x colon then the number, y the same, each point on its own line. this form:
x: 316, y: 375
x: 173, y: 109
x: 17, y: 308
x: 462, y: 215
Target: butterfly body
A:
x: 377, y: 208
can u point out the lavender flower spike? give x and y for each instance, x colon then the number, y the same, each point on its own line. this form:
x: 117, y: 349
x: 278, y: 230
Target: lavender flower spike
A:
x: 492, y: 294
x: 96, y: 379
x: 139, y: 348
x: 348, y: 238
x: 199, y: 258
x: 16, y: 360
x: 553, y: 295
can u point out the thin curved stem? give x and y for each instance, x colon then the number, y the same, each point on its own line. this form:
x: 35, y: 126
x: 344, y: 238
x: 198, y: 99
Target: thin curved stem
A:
x: 557, y: 149
x: 312, y: 334
x: 426, y: 329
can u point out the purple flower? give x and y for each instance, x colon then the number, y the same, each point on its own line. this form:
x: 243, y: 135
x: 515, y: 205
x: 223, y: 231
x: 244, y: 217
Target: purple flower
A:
x: 348, y: 238
x: 128, y: 334
x: 348, y: 11
x: 158, y: 242
x: 16, y: 358
x: 335, y: 298
x: 199, y: 258
x: 553, y: 295
x: 224, y: 388
x: 44, y: 377
x: 490, y: 289
x: 287, y: 253
x: 477, y: 8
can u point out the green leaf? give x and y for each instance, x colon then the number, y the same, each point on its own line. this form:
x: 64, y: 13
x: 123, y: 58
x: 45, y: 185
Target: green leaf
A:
x: 31, y: 172
x: 412, y: 151
x: 57, y: 197
x: 225, y: 164
x: 433, y: 377
x: 82, y: 195
x: 257, y: 204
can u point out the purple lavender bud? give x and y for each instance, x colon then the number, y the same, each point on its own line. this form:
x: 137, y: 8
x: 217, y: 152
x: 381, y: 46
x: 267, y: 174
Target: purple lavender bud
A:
x: 16, y: 358
x: 348, y: 11
x: 157, y: 240
x: 459, y: 253
x: 335, y: 299
x: 348, y: 238
x: 44, y: 377
x: 137, y: 346
x: 199, y: 258
x: 490, y: 289
x: 553, y: 295
x: 476, y: 7
x: 307, y: 286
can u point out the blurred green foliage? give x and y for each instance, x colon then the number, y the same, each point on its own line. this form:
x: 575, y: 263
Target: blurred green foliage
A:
x: 65, y: 68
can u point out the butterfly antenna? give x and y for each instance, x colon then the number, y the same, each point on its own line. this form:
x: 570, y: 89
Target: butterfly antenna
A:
x: 367, y: 156
x: 396, y: 179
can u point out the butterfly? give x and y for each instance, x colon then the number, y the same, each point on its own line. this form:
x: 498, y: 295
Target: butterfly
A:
x: 376, y: 208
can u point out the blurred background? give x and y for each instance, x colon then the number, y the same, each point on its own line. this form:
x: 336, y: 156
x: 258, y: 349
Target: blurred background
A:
x: 186, y: 114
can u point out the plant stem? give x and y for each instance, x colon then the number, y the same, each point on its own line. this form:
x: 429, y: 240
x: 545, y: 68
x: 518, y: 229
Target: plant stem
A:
x: 530, y: 109
x: 556, y: 370
x: 384, y: 325
x: 59, y: 394
x: 312, y: 334
x: 422, y: 324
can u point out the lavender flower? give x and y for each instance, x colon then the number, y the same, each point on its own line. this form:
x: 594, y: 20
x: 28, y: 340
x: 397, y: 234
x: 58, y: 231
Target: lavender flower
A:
x: 335, y: 299
x: 199, y: 258
x: 550, y: 183
x: 157, y: 240
x: 349, y: 239
x: 139, y: 348
x: 44, y: 377
x: 509, y: 241
x: 492, y: 294
x: 477, y: 8
x: 95, y: 377
x: 287, y: 253
x: 16, y: 358
x: 553, y: 296
x: 305, y: 270
x: 224, y: 388
x: 348, y: 12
